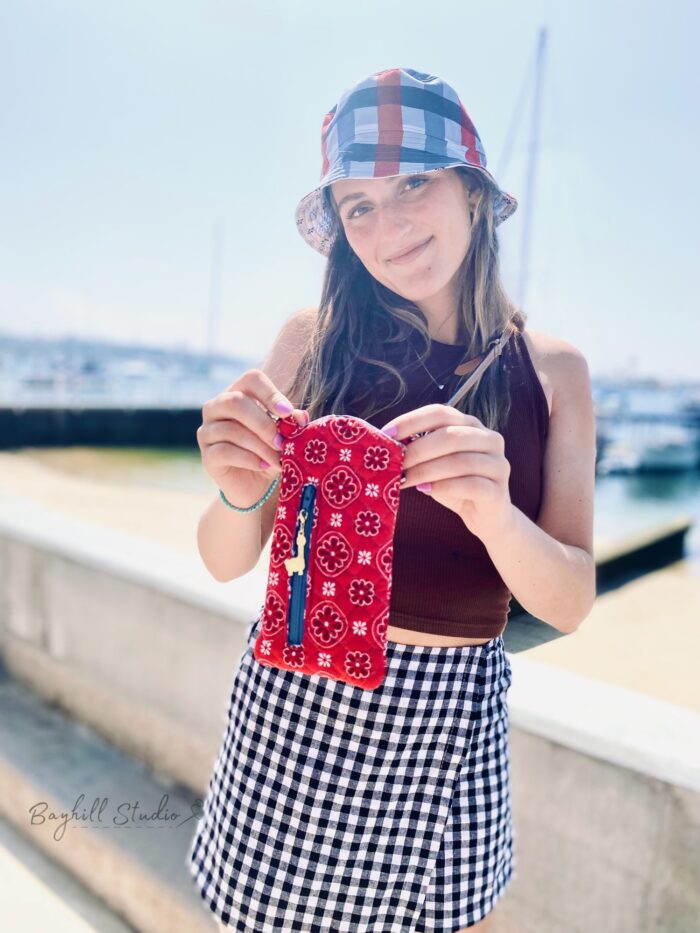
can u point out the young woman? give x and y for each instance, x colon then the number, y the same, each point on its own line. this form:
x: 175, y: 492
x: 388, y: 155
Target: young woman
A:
x: 332, y: 808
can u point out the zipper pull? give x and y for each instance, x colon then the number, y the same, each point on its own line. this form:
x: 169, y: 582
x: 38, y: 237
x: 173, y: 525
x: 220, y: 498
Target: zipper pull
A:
x: 296, y: 564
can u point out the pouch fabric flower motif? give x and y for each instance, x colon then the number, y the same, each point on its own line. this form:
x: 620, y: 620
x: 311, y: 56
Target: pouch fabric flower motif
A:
x: 326, y: 606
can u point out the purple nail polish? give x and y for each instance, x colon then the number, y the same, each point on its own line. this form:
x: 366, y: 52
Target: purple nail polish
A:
x: 390, y: 429
x: 424, y: 487
x: 284, y: 407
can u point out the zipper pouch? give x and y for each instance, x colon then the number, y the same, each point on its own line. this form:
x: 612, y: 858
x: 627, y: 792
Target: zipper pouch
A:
x: 326, y: 606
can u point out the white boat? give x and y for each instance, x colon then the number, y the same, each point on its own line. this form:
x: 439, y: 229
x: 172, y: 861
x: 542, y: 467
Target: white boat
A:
x: 673, y: 451
x: 618, y: 457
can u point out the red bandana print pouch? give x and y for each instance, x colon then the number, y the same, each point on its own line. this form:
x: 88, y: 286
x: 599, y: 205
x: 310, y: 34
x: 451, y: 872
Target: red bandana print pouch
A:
x: 326, y: 606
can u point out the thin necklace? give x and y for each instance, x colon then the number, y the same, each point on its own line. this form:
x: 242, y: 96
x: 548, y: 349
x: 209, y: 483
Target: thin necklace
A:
x: 445, y: 372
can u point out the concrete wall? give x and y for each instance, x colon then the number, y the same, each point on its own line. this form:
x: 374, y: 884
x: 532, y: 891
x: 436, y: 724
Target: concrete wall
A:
x: 606, y: 806
x: 141, y: 643
x: 135, y: 640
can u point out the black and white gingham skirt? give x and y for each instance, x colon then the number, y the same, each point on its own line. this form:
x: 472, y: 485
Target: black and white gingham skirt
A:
x: 335, y: 808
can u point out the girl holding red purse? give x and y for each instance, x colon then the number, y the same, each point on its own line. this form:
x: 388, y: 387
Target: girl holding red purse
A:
x: 388, y: 810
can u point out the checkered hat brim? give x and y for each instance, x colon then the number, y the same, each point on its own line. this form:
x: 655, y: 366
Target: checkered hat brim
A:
x: 395, y: 122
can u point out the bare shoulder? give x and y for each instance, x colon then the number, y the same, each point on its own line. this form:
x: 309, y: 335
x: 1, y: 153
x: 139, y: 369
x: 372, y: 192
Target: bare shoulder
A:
x: 282, y: 360
x: 557, y: 362
x: 296, y: 330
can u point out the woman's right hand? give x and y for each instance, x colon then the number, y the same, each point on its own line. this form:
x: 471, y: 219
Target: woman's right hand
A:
x: 237, y: 432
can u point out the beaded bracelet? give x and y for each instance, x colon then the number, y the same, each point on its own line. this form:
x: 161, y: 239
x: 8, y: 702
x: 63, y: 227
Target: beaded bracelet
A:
x: 255, y: 505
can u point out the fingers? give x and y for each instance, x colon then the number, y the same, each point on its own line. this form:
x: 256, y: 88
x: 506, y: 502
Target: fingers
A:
x: 230, y: 442
x: 238, y: 427
x: 257, y: 384
x: 459, y: 464
x: 442, y: 441
x: 428, y: 418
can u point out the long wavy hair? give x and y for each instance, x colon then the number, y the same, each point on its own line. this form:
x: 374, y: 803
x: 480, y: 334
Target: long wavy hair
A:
x: 361, y: 325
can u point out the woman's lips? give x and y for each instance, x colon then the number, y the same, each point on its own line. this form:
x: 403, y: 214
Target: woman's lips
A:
x: 414, y: 254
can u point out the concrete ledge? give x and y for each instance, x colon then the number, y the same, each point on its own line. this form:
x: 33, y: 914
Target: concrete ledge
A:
x: 137, y: 560
x: 130, y: 836
x: 133, y: 639
x: 608, y: 722
x: 606, y: 809
x: 642, y: 550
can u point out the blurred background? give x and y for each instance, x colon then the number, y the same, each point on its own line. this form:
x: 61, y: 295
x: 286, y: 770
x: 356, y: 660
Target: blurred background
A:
x: 152, y: 157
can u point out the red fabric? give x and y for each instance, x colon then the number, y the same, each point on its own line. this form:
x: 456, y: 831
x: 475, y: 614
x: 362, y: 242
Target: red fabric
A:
x: 356, y: 470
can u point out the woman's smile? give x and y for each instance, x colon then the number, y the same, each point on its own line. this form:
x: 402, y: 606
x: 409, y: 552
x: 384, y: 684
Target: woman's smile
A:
x: 414, y: 254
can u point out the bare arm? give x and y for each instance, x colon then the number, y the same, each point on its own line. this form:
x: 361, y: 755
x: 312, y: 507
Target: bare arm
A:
x: 230, y: 543
x: 549, y: 566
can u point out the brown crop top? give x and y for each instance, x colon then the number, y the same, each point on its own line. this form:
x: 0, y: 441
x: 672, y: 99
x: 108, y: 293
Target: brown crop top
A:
x: 444, y: 581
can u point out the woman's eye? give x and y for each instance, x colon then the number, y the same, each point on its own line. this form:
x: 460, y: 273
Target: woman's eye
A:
x: 414, y: 182
x: 417, y: 178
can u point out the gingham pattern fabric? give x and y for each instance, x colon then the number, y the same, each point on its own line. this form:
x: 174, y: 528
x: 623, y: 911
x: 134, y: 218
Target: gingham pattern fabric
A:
x: 394, y: 122
x: 336, y: 808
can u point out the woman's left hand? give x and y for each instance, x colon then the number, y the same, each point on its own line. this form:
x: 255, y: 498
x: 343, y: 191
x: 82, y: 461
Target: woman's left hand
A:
x: 462, y: 459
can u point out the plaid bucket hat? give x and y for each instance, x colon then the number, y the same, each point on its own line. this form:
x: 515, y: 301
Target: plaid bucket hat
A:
x: 395, y: 122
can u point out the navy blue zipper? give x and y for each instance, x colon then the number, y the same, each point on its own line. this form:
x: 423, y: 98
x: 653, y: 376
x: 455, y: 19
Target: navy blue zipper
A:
x: 298, y: 568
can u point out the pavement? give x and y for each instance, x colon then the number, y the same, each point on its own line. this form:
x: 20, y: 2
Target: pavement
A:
x: 39, y: 894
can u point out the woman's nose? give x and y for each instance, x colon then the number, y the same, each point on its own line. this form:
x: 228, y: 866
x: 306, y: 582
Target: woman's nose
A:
x: 393, y: 220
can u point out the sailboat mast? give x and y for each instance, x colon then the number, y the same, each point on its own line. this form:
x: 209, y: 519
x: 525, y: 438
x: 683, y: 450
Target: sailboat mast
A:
x: 533, y: 148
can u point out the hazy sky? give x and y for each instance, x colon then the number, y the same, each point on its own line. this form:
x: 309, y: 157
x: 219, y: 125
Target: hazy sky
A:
x: 130, y: 129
